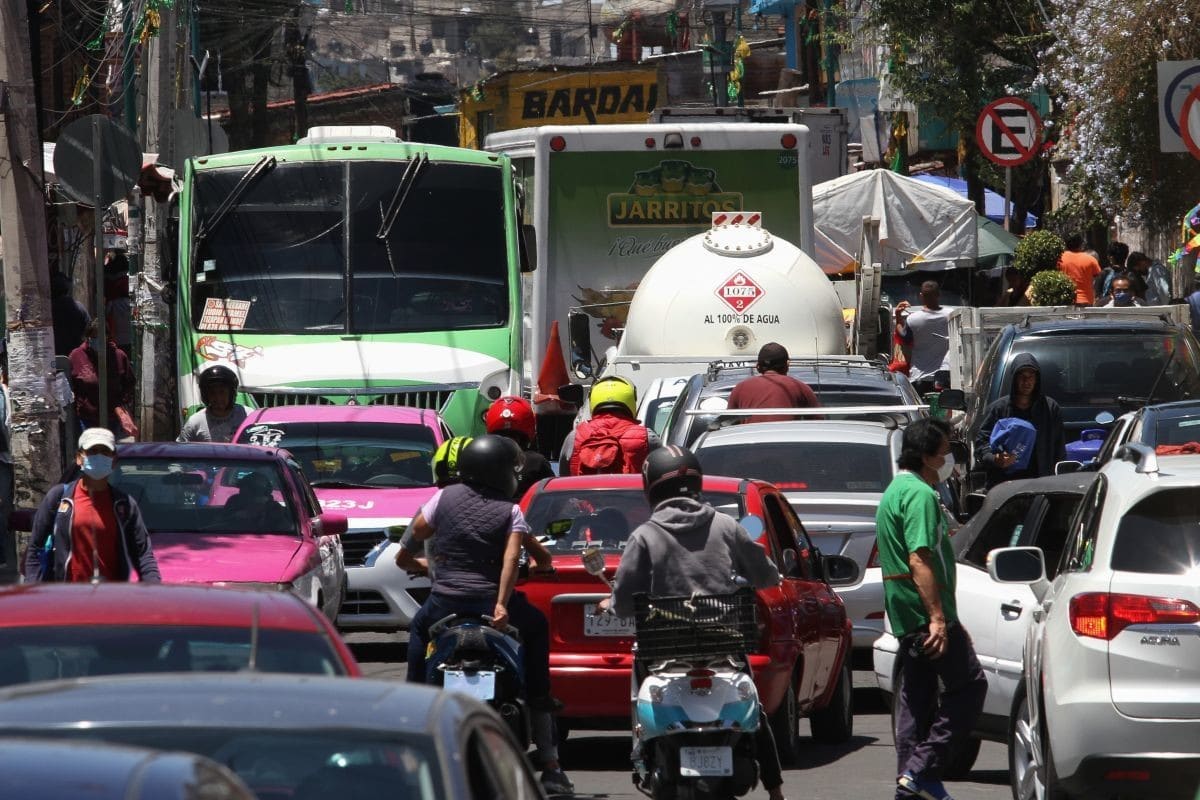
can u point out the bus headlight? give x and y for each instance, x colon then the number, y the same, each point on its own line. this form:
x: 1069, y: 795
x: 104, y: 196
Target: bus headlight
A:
x: 497, y: 385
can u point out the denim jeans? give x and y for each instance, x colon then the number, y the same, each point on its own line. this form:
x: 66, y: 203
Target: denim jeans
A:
x: 932, y: 721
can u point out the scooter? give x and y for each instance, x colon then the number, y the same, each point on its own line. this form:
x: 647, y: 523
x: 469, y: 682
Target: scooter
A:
x: 470, y: 656
x: 695, y: 708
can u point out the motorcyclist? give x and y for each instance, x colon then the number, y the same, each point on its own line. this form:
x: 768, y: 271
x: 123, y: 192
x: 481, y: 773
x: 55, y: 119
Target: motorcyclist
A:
x: 512, y: 417
x: 686, y: 548
x: 612, y: 441
x: 479, y: 532
x: 220, y: 418
x: 411, y: 557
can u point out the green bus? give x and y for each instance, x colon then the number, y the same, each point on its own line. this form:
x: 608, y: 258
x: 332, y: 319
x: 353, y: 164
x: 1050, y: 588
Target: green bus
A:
x: 352, y: 267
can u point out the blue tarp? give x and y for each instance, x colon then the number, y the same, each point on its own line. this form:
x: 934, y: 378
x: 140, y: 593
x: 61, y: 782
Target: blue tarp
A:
x: 993, y: 203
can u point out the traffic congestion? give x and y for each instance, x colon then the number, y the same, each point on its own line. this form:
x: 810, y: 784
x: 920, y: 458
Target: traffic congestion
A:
x: 675, y: 456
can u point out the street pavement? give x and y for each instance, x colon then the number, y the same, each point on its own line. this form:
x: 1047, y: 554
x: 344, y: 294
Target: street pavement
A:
x: 864, y: 767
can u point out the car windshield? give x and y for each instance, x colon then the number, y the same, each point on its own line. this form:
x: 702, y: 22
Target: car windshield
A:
x: 286, y: 249
x: 1095, y: 369
x: 804, y: 466
x: 45, y: 653
x: 604, y: 517
x: 353, y: 454
x: 299, y: 765
x: 1161, y: 534
x: 213, y: 496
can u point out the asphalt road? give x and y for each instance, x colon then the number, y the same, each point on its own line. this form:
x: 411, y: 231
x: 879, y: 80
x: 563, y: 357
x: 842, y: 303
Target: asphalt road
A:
x: 864, y: 767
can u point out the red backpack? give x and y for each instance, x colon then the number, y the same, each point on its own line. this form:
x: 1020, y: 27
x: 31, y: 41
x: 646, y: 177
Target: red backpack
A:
x: 609, y: 445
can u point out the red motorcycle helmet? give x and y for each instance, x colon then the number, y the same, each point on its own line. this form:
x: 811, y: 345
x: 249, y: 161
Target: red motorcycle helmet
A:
x: 510, y: 415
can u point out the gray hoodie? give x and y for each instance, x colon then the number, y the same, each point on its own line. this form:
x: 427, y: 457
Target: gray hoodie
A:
x: 688, y: 548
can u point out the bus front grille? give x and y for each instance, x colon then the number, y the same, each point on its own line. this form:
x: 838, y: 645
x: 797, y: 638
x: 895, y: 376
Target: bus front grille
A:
x: 273, y: 399
x: 434, y: 400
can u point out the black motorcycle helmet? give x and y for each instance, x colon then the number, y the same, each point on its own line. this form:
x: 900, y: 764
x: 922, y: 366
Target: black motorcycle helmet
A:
x: 491, y: 461
x: 218, y: 374
x: 671, y: 471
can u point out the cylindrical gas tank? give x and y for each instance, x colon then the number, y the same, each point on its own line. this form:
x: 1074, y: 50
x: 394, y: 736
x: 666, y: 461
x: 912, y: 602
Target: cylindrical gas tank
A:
x: 729, y: 291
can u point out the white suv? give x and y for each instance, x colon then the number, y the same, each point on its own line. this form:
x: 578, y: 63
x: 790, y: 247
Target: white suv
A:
x: 1110, y: 702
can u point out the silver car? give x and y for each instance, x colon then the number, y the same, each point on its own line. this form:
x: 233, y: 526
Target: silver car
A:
x: 833, y: 473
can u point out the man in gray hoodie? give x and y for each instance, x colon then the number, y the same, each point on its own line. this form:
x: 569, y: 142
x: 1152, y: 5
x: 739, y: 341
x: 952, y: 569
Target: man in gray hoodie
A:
x: 686, y: 547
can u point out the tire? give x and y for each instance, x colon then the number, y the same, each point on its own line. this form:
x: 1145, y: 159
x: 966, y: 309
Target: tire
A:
x: 785, y: 727
x: 1029, y: 779
x: 834, y: 724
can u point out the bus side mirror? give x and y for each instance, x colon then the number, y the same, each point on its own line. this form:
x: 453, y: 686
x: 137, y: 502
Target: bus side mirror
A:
x: 527, y: 247
x: 579, y: 326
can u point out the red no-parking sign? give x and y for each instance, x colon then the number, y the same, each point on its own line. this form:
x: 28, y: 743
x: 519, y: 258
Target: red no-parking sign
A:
x: 1008, y: 131
x: 1189, y: 122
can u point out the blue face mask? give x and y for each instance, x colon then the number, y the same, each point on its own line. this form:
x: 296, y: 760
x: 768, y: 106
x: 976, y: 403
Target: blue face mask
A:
x: 1123, y: 298
x: 97, y: 465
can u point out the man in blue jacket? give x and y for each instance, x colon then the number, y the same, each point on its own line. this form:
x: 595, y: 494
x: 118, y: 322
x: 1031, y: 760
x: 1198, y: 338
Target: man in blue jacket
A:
x: 87, y: 530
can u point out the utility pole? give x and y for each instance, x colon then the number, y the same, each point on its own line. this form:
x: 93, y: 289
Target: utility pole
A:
x: 36, y: 447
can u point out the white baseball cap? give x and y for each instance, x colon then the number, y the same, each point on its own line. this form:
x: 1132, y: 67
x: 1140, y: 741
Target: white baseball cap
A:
x: 93, y: 437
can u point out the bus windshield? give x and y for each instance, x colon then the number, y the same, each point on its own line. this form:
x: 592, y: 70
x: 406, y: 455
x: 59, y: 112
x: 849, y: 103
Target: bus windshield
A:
x: 300, y: 251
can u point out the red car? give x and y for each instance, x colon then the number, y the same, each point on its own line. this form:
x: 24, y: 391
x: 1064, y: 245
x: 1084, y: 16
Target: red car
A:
x: 802, y: 665
x: 53, y: 631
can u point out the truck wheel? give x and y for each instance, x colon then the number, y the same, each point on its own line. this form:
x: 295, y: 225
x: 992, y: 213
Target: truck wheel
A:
x: 834, y: 724
x: 785, y: 727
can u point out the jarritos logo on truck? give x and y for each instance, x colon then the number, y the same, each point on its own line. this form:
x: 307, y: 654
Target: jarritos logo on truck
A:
x: 676, y: 192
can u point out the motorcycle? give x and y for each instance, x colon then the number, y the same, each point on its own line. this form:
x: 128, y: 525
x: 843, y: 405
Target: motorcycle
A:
x: 470, y: 656
x: 695, y: 707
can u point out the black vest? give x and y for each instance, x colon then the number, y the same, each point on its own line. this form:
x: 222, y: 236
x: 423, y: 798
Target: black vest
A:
x: 471, y: 532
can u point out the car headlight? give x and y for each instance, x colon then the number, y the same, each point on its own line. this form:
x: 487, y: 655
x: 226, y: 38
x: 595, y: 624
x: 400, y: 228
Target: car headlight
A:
x: 277, y: 586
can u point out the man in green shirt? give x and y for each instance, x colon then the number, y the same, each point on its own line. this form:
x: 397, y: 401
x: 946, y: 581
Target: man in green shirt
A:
x: 918, y: 595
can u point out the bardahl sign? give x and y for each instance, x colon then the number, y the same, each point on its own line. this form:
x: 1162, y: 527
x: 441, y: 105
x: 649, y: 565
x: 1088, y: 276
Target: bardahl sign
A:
x: 593, y: 103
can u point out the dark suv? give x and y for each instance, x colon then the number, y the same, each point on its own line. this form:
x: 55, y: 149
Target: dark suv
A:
x: 837, y: 381
x: 1090, y: 366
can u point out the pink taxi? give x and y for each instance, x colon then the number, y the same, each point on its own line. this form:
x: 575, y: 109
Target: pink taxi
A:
x: 231, y: 515
x: 372, y: 464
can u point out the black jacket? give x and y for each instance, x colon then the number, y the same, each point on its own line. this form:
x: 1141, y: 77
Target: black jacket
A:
x: 1044, y: 415
x: 52, y: 525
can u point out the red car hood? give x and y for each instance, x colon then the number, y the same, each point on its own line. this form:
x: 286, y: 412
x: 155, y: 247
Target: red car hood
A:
x: 201, y: 558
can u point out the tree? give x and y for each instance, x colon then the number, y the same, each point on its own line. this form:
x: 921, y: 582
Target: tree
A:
x: 953, y: 58
x: 1101, y: 69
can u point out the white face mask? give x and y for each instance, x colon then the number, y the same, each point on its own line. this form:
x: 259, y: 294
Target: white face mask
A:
x: 946, y: 469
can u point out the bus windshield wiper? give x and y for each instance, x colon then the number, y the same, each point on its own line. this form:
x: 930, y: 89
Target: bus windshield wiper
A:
x: 388, y: 217
x: 260, y: 168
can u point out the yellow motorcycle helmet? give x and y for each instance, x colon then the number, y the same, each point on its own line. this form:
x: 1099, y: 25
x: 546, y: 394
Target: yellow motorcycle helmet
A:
x: 613, y: 392
x: 445, y: 460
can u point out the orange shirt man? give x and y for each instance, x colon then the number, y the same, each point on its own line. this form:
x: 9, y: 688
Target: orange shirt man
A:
x: 1081, y: 268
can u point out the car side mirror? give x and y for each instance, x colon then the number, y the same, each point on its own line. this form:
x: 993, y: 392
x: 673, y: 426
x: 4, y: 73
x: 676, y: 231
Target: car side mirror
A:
x: 1067, y: 467
x: 333, y: 524
x: 396, y: 532
x: 789, y: 561
x: 571, y: 393
x: 952, y: 400
x: 1020, y: 565
x: 840, y: 570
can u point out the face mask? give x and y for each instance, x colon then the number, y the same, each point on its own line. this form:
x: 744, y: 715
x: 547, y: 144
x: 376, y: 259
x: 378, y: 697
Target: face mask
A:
x: 97, y: 466
x: 1122, y: 298
x: 947, y: 467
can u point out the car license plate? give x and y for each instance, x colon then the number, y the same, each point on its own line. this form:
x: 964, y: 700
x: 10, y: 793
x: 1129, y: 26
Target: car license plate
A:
x: 598, y: 624
x: 696, y: 762
x: 481, y: 685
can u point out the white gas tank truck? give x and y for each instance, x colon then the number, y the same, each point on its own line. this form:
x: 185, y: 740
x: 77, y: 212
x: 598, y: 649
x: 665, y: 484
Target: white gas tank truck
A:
x: 720, y: 295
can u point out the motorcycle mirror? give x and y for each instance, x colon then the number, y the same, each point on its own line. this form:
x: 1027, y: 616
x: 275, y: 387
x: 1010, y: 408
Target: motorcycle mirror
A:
x: 753, y: 525
x: 1105, y: 417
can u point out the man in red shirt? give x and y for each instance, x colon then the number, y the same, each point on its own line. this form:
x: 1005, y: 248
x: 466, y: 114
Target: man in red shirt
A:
x: 772, y: 387
x: 1081, y: 268
x: 88, y: 530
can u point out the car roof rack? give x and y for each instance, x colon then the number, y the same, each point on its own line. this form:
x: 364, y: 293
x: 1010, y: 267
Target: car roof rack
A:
x: 892, y: 415
x: 1141, y: 454
x: 715, y: 367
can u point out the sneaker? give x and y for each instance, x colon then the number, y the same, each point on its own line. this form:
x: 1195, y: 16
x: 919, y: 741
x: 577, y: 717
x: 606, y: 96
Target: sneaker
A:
x: 555, y: 781
x: 926, y: 788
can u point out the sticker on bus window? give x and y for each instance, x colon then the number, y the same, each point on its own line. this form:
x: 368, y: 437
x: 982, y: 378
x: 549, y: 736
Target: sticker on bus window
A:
x: 224, y: 315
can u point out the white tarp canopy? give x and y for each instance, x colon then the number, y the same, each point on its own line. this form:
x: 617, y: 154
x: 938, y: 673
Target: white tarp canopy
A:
x: 921, y: 226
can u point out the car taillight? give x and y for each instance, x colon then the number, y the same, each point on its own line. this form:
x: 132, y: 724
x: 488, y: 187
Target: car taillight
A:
x: 873, y: 561
x: 701, y: 678
x: 1100, y: 615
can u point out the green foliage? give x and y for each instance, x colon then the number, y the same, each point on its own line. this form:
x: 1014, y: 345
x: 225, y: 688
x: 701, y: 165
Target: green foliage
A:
x: 1052, y: 288
x: 1038, y: 252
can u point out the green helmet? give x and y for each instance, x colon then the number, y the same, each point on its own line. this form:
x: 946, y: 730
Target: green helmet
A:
x: 445, y: 460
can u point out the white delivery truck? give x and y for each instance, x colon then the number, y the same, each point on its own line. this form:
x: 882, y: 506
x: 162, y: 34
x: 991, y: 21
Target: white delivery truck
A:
x: 606, y: 201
